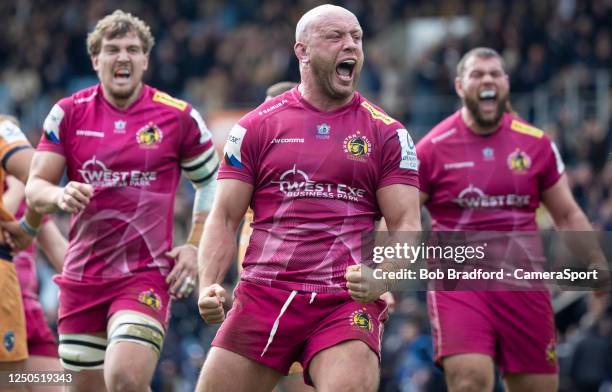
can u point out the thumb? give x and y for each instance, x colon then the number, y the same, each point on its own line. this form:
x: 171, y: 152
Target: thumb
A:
x: 173, y: 253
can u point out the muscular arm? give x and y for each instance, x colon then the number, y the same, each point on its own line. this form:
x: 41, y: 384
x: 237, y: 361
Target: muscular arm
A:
x: 568, y: 216
x: 53, y: 244
x: 218, y: 244
x: 42, y: 191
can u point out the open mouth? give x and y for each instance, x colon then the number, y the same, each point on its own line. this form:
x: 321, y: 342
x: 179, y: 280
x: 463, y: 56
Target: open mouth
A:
x: 488, y: 99
x: 345, y: 70
x: 122, y: 74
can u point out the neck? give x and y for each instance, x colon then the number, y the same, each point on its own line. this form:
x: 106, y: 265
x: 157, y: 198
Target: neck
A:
x: 122, y: 103
x: 474, y: 126
x: 319, y: 99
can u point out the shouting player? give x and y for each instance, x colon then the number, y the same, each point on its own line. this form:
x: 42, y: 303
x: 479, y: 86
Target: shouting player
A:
x: 484, y: 168
x: 123, y: 145
x: 313, y: 193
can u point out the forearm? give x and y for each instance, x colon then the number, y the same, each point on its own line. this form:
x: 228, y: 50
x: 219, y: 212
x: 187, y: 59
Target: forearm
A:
x: 42, y: 195
x: 53, y: 244
x: 197, y: 228
x: 583, y: 244
x: 216, y: 251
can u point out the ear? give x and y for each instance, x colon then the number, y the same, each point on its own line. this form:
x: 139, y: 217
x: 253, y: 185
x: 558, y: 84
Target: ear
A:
x: 301, y: 53
x: 459, y: 87
x: 95, y: 63
x: 146, y: 63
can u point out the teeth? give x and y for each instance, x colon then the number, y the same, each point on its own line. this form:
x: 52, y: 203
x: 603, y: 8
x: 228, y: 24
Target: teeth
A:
x: 487, y: 94
x: 349, y: 62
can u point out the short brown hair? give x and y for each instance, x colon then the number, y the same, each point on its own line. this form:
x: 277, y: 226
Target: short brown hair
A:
x: 118, y: 24
x: 481, y: 52
x: 279, y: 88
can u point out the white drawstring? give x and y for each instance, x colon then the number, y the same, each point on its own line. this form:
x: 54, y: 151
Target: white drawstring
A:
x: 312, y: 297
x: 275, y: 326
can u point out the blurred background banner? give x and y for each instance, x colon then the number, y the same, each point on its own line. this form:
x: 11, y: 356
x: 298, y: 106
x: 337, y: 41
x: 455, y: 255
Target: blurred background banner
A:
x: 221, y: 56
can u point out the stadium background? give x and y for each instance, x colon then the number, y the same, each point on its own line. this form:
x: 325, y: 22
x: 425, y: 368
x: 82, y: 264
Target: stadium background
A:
x: 222, y: 55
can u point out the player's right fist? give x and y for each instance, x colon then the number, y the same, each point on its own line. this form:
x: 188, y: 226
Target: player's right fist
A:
x: 210, y: 303
x: 74, y: 197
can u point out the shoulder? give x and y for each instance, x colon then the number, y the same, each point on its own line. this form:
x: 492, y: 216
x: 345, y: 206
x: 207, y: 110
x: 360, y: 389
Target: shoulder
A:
x: 272, y: 108
x: 376, y: 115
x: 525, y: 132
x: 10, y: 132
x: 443, y: 131
x: 164, y: 101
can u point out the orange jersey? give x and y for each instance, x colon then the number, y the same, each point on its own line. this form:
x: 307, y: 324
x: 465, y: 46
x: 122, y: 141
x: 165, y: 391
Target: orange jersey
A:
x: 11, y: 141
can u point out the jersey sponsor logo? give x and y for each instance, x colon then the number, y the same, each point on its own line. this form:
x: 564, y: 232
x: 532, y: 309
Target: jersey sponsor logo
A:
x: 86, y: 99
x: 473, y: 197
x: 519, y: 161
x: 323, y: 131
x: 96, y: 173
x: 167, y: 100
x: 272, y: 108
x: 86, y: 132
x: 150, y: 298
x: 286, y: 140
x: 295, y: 183
x: 458, y: 165
x: 52, y: 124
x: 551, y: 351
x: 9, y: 341
x: 558, y: 159
x: 11, y: 133
x: 205, y: 134
x: 119, y: 126
x: 361, y: 319
x: 444, y: 135
x: 357, y: 147
x: 149, y: 136
x: 488, y: 154
x: 377, y: 114
x: 409, y: 158
x: 231, y: 153
x: 526, y: 129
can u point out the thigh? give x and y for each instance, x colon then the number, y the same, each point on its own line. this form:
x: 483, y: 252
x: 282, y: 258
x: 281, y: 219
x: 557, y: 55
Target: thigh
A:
x: 461, y: 323
x: 36, y: 363
x: 13, y: 338
x: 350, y: 365
x: 525, y: 325
x: 225, y: 370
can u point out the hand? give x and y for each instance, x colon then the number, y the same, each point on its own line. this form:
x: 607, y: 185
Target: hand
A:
x: 603, y: 277
x: 14, y: 235
x: 389, y: 300
x: 211, y: 303
x: 182, y: 278
x: 74, y: 197
x: 362, y: 286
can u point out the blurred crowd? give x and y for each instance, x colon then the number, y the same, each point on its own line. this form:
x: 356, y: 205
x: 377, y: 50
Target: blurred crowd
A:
x: 224, y: 54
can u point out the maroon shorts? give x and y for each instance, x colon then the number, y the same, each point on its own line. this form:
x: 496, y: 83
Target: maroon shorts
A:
x: 41, y: 340
x: 86, y: 307
x: 516, y: 329
x: 308, y: 325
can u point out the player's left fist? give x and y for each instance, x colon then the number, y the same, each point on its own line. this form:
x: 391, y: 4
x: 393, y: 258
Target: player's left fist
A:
x: 361, y: 284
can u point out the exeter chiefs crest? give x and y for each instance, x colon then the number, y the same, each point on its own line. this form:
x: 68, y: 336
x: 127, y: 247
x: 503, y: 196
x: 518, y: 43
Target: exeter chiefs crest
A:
x: 361, y: 319
x: 357, y: 147
x: 149, y: 136
x: 519, y: 161
x: 150, y: 298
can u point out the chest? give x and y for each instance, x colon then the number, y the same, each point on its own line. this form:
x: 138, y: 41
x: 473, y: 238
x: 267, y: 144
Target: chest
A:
x: 144, y: 140
x: 487, y: 168
x: 318, y: 154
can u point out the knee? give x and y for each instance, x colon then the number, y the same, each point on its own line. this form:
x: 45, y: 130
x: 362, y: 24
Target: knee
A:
x: 122, y: 380
x: 470, y: 380
x: 353, y: 382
